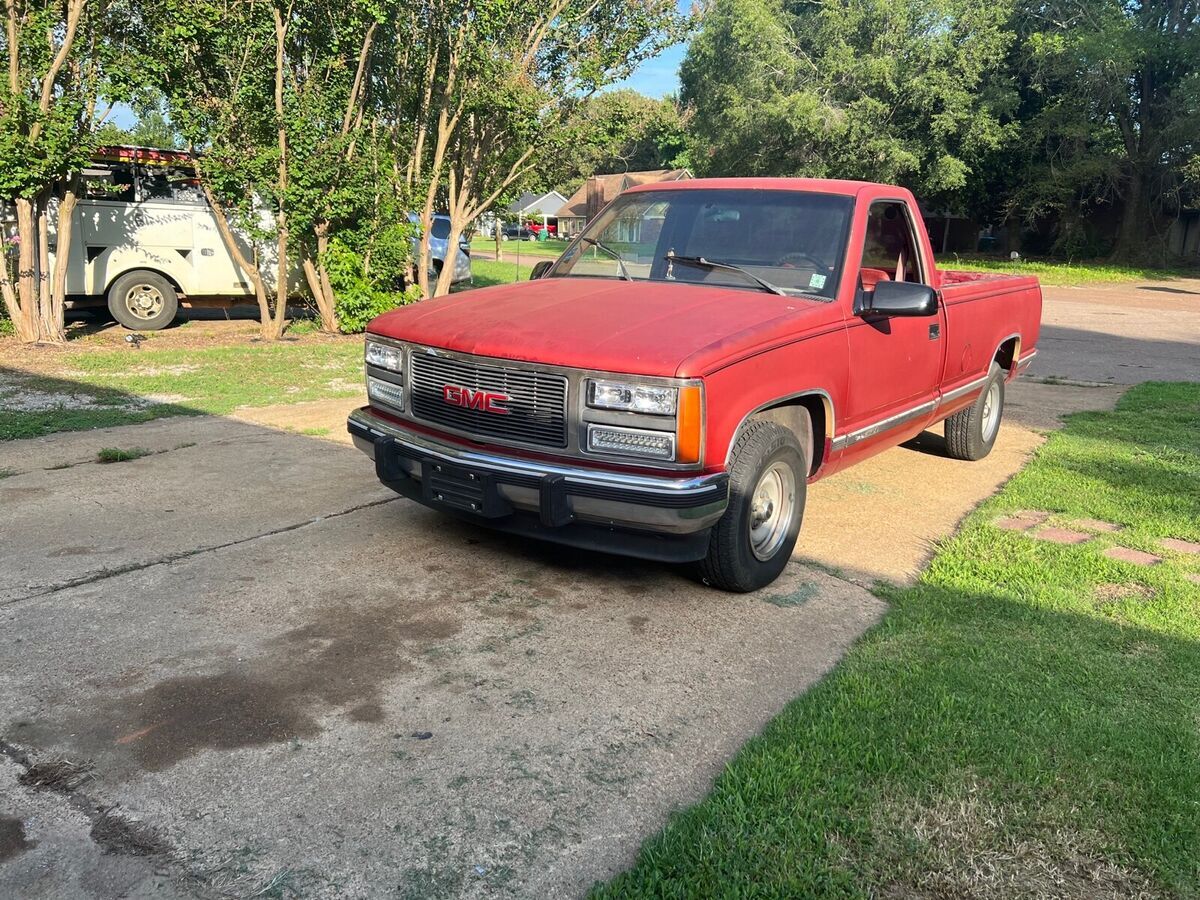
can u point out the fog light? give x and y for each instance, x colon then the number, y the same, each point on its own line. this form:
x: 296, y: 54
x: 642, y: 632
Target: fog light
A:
x: 631, y: 442
x: 385, y: 392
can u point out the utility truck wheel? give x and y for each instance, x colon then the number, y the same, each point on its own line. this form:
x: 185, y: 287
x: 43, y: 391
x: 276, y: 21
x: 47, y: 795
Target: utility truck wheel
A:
x: 143, y: 301
x: 753, y: 541
x: 971, y: 432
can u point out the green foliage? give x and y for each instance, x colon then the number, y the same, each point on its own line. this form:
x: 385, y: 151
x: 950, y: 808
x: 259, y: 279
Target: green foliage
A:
x: 1052, y: 115
x: 616, y: 131
x: 1022, y: 723
x: 363, y: 295
x: 106, y: 59
x: 1110, y: 111
x: 883, y: 90
x: 152, y: 129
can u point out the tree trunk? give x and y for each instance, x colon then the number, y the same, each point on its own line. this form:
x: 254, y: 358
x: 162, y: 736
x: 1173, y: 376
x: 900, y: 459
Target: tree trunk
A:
x: 272, y: 329
x: 314, y: 284
x: 1133, y: 235
x: 327, y: 305
x: 27, y: 272
x: 424, y: 255
x: 250, y: 267
x: 62, y: 253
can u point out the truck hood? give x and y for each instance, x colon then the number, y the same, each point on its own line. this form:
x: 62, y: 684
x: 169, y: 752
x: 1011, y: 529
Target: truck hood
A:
x: 639, y: 328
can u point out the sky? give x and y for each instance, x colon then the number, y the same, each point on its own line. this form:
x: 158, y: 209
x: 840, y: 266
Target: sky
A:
x: 659, y: 76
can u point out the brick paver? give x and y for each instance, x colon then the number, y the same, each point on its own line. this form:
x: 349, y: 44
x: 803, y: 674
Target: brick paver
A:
x: 1062, y: 536
x: 1137, y: 557
x: 1179, y: 546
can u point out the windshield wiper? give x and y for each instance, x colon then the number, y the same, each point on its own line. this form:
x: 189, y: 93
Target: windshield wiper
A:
x: 703, y: 263
x: 604, y: 248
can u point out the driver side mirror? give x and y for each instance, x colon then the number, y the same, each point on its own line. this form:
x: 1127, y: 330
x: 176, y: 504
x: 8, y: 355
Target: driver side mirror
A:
x: 540, y: 270
x: 899, y: 298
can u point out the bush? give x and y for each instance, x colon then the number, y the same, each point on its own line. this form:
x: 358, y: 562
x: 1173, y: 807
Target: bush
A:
x: 359, y: 297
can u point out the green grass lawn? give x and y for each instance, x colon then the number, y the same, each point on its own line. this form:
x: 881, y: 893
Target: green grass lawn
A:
x: 551, y: 248
x: 488, y: 272
x: 99, y: 388
x: 1049, y: 272
x: 1025, y: 722
x: 1063, y: 273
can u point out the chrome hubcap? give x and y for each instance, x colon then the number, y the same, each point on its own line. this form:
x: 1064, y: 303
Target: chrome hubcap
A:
x: 991, y: 411
x: 144, y: 301
x: 772, y: 506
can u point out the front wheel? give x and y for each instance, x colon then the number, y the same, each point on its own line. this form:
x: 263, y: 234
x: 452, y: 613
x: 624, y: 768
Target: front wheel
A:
x: 971, y: 432
x: 752, y: 543
x: 143, y: 301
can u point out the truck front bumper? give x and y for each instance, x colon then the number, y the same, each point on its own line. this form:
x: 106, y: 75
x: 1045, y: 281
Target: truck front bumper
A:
x: 652, y: 517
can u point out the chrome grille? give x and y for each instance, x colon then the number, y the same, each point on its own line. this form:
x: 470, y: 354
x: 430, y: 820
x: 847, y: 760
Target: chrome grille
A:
x: 537, y: 408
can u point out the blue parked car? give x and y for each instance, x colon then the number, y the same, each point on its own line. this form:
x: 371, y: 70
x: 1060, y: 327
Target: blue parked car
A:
x: 439, y: 249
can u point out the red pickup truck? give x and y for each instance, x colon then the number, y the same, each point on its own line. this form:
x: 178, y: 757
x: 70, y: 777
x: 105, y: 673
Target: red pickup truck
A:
x: 669, y: 385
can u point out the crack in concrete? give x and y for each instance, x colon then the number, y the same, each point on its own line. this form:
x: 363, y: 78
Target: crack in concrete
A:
x: 172, y: 558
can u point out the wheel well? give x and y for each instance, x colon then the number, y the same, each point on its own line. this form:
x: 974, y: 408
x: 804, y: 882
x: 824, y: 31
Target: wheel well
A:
x: 1008, y: 354
x: 175, y: 284
x: 791, y: 414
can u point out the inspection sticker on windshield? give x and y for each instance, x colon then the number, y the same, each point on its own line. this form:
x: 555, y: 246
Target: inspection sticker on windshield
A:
x: 817, y: 281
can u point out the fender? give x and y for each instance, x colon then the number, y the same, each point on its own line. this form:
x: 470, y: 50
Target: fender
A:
x: 826, y: 401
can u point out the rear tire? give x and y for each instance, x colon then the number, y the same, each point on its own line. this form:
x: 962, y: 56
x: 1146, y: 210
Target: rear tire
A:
x: 751, y: 544
x: 143, y: 301
x: 971, y: 432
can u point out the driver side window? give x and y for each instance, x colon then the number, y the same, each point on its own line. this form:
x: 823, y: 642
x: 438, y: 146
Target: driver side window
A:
x: 890, y: 249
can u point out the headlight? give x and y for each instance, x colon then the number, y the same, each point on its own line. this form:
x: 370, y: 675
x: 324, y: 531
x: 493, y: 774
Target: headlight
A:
x: 385, y: 356
x: 642, y: 398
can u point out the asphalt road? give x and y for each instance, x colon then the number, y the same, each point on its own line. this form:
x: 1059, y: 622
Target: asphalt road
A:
x: 240, y: 666
x: 1121, y: 334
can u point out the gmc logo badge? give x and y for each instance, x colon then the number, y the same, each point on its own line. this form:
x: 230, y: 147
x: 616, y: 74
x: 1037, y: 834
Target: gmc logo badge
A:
x: 469, y: 398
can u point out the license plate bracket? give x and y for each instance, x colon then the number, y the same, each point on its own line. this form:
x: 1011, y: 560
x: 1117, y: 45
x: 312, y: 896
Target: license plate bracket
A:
x: 463, y: 489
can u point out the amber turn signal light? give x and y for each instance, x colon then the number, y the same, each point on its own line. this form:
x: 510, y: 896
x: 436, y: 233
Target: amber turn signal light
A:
x: 690, y: 425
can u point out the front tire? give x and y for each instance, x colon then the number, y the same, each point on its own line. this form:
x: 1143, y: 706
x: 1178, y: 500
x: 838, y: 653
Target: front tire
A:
x: 971, y: 432
x: 143, y: 301
x: 752, y: 543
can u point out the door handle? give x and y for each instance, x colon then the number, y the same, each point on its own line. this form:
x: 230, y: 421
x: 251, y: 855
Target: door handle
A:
x: 935, y: 332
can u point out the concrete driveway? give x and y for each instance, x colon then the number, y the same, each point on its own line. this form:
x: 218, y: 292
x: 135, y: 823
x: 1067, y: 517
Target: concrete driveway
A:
x: 240, y: 667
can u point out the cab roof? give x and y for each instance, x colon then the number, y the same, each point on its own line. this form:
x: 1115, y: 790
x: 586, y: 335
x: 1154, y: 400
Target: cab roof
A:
x: 812, y: 185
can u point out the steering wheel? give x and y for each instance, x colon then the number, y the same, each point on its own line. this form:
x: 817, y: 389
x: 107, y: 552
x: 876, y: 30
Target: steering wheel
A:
x: 798, y: 260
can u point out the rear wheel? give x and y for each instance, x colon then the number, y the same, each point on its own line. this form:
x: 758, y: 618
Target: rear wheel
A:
x: 752, y: 543
x: 143, y: 301
x: 971, y: 432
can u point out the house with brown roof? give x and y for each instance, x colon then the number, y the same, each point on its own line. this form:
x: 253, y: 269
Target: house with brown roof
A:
x: 596, y: 193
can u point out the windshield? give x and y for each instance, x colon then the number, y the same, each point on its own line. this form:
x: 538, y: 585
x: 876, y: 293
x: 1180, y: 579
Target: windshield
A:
x: 793, y: 240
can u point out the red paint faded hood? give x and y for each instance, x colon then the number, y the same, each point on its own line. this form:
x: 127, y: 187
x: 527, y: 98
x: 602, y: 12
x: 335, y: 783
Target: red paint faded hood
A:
x: 640, y: 328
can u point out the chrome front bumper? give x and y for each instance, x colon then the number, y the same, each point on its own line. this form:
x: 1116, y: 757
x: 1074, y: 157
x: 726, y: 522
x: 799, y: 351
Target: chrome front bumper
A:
x: 491, y: 486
